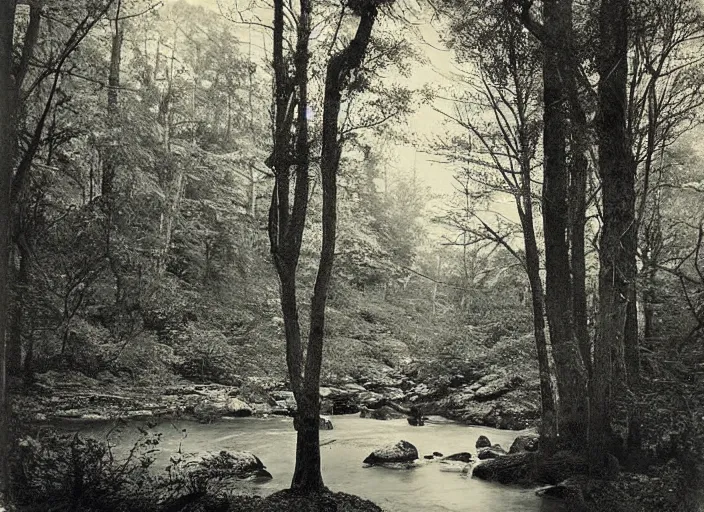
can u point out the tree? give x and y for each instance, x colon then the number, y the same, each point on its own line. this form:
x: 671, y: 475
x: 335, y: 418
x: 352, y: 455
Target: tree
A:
x: 292, y: 112
x: 510, y: 91
x: 7, y: 158
x: 556, y: 33
x: 617, y: 252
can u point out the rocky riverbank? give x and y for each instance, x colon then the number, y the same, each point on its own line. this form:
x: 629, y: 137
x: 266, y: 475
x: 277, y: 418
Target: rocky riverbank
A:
x: 496, y: 399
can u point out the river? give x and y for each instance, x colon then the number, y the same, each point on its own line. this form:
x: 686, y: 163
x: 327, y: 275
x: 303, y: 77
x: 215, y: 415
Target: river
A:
x: 425, y: 487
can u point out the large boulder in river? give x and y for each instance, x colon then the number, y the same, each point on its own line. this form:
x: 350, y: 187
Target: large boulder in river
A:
x: 240, y: 465
x: 382, y: 413
x: 482, y: 442
x: 460, y: 457
x: 526, y: 443
x: 400, y: 452
x: 238, y: 408
x: 491, y: 452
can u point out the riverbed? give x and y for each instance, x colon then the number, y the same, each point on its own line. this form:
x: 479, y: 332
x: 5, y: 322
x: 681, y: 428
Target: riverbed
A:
x: 424, y: 487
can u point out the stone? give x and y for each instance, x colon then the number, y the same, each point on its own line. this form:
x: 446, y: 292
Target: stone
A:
x: 482, y: 442
x: 460, y: 457
x: 497, y: 388
x: 491, y: 452
x: 382, y: 413
x: 525, y: 443
x: 240, y: 465
x: 402, y: 451
x: 437, y: 454
x: 325, y: 423
x: 428, y: 457
x: 238, y: 408
x: 370, y: 399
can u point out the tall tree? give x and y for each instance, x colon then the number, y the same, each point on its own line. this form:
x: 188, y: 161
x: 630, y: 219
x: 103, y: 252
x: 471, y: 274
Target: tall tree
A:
x: 7, y: 159
x: 509, y: 63
x: 617, y: 270
x: 287, y: 222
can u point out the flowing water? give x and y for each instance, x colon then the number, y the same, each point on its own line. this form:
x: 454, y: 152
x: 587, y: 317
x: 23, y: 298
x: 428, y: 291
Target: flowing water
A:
x: 424, y: 487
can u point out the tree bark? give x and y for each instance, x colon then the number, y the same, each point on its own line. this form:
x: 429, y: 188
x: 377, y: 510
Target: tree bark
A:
x: 618, y: 192
x: 7, y: 160
x: 110, y: 163
x: 571, y: 378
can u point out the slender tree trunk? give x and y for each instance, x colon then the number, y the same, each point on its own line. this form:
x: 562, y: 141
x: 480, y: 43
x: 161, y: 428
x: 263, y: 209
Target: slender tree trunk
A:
x: 7, y: 161
x: 570, y: 373
x: 19, y: 286
x: 548, y: 425
x: 578, y: 191
x: 618, y: 192
x: 109, y: 162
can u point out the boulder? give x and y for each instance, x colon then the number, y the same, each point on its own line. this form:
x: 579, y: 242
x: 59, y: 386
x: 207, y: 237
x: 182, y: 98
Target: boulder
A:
x: 415, y: 421
x: 370, y: 399
x: 403, y: 451
x: 382, y: 413
x: 482, y: 442
x: 491, y: 452
x: 465, y: 457
x: 391, y: 393
x: 496, y: 388
x: 569, y: 490
x: 527, y: 443
x: 238, y: 408
x: 428, y: 457
x: 437, y: 454
x: 529, y: 468
x: 240, y: 465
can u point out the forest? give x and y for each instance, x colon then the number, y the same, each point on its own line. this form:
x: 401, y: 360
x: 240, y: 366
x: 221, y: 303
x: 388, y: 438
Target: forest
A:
x: 245, y: 245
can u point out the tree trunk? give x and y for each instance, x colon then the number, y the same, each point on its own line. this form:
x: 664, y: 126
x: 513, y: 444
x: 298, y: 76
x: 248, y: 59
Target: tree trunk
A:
x: 578, y: 191
x: 569, y: 369
x: 19, y: 286
x: 618, y: 192
x: 548, y: 424
x: 7, y: 161
x: 110, y: 164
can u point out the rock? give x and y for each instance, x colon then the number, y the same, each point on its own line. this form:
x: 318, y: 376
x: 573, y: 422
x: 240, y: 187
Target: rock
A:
x: 428, y: 457
x: 392, y: 393
x: 370, y: 399
x: 382, y: 413
x: 527, y: 443
x: 461, y: 457
x: 240, y: 465
x: 415, y: 422
x: 529, y: 468
x: 403, y: 451
x: 325, y: 423
x: 511, y: 469
x: 491, y: 452
x: 497, y: 388
x: 568, y: 490
x: 437, y: 454
x: 238, y: 408
x: 482, y: 442
x: 354, y: 388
